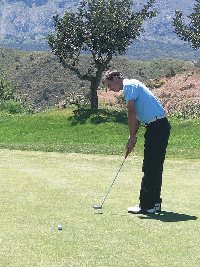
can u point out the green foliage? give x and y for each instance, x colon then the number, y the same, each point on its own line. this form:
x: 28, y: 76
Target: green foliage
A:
x: 121, y: 102
x: 6, y: 89
x: 11, y: 106
x: 189, y: 109
x: 103, y: 28
x: 154, y: 83
x: 111, y: 26
x: 14, y: 107
x: 8, y: 101
x: 171, y: 72
x: 45, y: 77
x: 191, y: 32
x: 150, y: 69
x: 79, y: 98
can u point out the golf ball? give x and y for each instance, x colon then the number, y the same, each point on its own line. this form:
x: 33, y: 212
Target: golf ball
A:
x: 59, y: 227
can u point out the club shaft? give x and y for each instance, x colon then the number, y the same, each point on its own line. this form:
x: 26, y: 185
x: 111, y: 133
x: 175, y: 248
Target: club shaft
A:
x: 113, y: 182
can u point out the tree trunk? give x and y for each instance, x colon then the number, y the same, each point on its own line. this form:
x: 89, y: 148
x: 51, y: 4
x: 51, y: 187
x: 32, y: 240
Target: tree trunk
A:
x: 93, y: 89
x: 93, y: 98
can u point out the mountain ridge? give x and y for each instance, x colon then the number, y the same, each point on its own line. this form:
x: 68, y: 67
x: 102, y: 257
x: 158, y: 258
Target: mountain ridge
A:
x: 24, y: 25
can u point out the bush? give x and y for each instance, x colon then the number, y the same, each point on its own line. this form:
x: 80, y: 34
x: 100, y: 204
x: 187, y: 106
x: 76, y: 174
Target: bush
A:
x: 78, y: 99
x: 154, y: 83
x: 14, y: 107
x: 185, y: 110
x: 6, y: 89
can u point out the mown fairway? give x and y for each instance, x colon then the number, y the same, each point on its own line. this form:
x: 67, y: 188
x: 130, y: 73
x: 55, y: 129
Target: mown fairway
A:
x: 39, y: 190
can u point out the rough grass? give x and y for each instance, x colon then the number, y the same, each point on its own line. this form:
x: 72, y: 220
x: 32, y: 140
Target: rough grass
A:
x: 102, y: 132
x: 41, y: 190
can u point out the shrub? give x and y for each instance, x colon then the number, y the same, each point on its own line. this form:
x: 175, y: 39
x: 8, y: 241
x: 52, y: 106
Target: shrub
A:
x: 79, y: 99
x: 171, y: 73
x: 121, y: 102
x: 6, y: 89
x: 185, y: 110
x: 14, y: 107
x: 154, y: 83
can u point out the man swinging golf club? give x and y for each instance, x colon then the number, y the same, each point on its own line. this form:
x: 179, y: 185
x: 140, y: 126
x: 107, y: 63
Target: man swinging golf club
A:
x: 144, y: 108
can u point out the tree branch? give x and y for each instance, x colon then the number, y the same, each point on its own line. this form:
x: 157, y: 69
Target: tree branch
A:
x: 75, y: 70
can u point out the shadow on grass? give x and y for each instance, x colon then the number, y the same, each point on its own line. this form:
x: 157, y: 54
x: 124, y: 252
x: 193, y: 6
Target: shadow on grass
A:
x: 98, y: 116
x: 166, y: 216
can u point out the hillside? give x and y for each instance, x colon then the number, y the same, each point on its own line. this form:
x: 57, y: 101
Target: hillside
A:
x: 179, y: 94
x: 24, y: 25
x: 41, y: 80
x: 38, y: 77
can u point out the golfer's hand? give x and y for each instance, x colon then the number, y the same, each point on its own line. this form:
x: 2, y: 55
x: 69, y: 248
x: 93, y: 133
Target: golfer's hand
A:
x: 130, y: 145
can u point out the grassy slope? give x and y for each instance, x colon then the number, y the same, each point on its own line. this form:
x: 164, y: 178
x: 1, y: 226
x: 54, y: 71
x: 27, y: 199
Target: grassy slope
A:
x: 101, y: 133
x: 40, y: 190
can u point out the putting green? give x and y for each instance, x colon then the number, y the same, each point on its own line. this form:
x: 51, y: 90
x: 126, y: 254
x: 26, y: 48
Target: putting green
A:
x: 39, y: 191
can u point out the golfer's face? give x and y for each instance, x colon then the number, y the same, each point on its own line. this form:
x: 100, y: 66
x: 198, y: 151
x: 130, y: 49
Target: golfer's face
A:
x: 110, y: 84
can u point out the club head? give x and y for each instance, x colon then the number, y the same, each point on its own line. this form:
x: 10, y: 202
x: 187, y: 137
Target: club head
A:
x: 97, y: 207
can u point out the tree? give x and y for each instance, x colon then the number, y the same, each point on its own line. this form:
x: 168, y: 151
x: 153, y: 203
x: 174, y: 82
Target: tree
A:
x: 190, y: 32
x: 103, y: 28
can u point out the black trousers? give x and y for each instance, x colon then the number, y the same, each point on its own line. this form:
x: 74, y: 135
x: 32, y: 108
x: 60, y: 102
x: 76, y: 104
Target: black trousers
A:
x: 156, y: 141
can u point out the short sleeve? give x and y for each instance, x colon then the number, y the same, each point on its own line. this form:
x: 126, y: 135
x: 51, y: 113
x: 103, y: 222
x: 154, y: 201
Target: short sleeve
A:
x: 130, y: 92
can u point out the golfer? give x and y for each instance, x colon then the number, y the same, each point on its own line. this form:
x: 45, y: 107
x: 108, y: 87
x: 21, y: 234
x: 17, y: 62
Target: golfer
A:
x: 144, y: 109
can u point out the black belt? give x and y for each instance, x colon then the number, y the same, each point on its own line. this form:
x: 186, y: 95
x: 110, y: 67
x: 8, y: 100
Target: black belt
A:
x: 155, y: 119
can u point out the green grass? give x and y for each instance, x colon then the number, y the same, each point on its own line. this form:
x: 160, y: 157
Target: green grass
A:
x: 103, y: 132
x: 41, y: 190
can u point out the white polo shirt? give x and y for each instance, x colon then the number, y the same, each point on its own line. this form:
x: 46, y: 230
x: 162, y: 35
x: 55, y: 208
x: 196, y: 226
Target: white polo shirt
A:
x: 147, y: 106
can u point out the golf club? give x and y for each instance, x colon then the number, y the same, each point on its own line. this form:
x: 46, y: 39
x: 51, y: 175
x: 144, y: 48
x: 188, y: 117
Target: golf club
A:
x: 99, y: 207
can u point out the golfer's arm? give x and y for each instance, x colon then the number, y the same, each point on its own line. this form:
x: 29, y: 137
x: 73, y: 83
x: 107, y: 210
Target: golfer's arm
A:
x: 132, y: 119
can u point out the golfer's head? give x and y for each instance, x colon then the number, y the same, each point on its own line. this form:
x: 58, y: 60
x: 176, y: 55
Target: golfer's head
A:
x: 113, y: 80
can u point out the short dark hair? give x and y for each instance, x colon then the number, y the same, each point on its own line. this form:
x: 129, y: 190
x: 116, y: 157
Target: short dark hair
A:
x: 109, y: 74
